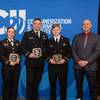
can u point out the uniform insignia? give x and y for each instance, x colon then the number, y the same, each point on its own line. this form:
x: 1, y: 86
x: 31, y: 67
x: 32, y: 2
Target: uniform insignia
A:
x: 5, y: 44
x: 44, y: 37
x: 30, y: 37
x: 17, y: 44
x: 7, y: 41
x: 51, y: 45
x: 61, y: 51
x: 64, y: 44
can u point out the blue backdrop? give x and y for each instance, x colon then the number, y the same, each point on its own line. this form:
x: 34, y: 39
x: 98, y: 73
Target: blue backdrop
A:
x: 69, y: 13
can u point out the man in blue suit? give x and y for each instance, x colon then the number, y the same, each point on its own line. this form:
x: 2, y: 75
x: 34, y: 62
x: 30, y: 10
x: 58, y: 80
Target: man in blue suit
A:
x: 86, y: 49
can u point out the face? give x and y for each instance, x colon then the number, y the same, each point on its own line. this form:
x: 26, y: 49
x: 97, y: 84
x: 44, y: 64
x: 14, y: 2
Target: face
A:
x: 11, y: 33
x: 37, y: 25
x: 56, y: 31
x: 87, y: 25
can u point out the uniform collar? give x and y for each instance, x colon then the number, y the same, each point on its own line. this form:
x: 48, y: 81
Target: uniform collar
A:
x: 58, y: 37
x: 10, y: 39
x: 37, y: 32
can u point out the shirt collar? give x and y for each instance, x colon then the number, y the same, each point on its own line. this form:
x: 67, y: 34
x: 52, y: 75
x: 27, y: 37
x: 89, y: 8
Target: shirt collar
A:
x: 87, y: 34
x: 38, y: 32
x: 58, y: 37
x: 10, y: 39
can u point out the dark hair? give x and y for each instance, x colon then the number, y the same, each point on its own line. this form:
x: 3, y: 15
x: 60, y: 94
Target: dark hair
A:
x: 9, y: 28
x: 37, y: 19
x: 55, y: 25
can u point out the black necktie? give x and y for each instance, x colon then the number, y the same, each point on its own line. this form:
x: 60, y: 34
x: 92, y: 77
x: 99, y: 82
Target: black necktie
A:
x: 56, y: 40
x: 36, y: 34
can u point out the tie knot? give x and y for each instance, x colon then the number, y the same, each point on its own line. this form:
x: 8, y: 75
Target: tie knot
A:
x: 12, y: 40
x: 37, y: 34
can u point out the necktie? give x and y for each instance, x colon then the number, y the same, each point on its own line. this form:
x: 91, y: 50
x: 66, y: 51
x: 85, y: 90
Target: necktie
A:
x: 56, y: 40
x: 12, y: 42
x: 85, y: 41
x: 37, y: 34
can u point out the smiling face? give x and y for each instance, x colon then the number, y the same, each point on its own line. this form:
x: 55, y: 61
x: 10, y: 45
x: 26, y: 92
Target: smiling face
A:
x: 37, y: 25
x: 56, y: 30
x: 11, y: 33
x: 86, y: 26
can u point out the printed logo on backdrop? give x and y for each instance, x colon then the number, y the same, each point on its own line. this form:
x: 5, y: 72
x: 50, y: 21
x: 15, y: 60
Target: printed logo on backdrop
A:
x: 18, y: 20
x: 47, y: 23
x: 14, y: 18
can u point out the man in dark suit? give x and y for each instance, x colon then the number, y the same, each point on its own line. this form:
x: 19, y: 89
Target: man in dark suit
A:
x: 33, y: 47
x: 10, y: 54
x: 58, y: 56
x: 86, y: 49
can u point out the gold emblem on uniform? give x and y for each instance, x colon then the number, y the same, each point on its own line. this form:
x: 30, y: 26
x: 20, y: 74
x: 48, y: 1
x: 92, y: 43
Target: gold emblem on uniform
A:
x: 37, y: 52
x: 5, y: 44
x: 17, y: 44
x: 13, y: 58
x: 64, y: 44
x: 57, y: 58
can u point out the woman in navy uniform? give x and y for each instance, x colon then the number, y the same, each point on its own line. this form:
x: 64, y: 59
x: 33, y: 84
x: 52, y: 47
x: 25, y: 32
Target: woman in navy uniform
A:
x: 10, y: 57
x: 58, y: 56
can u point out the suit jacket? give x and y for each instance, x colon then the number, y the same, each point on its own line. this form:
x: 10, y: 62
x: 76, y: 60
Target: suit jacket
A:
x: 63, y: 48
x: 90, y: 53
x: 30, y: 41
x: 6, y: 49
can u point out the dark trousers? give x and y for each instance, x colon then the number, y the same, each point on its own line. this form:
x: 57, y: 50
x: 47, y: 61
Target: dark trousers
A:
x: 10, y: 83
x: 34, y: 75
x: 62, y: 78
x: 91, y: 78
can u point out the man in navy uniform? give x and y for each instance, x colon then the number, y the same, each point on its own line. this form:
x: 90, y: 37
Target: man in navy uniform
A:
x: 59, y: 52
x: 33, y: 46
x: 86, y: 49
x: 10, y: 57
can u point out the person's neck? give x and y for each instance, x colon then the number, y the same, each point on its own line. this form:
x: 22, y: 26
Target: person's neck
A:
x: 86, y: 32
x: 56, y: 36
x: 10, y: 38
x: 36, y: 30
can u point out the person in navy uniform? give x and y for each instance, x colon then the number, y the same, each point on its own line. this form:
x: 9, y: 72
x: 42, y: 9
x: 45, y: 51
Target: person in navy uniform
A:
x: 33, y: 47
x: 86, y: 50
x: 59, y: 53
x: 10, y: 56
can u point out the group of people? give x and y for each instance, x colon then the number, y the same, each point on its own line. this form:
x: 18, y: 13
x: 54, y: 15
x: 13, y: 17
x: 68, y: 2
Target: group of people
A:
x: 57, y: 51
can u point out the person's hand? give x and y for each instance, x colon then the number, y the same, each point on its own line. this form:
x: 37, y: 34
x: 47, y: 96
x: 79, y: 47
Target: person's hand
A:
x: 31, y: 55
x: 12, y: 63
x: 52, y: 61
x: 62, y: 61
x: 82, y: 63
x: 18, y: 60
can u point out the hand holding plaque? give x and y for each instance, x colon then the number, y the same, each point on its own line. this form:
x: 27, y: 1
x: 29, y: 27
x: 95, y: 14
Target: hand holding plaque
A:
x: 37, y: 52
x: 57, y: 58
x: 14, y: 59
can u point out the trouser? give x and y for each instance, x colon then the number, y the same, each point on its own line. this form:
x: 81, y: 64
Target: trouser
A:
x: 10, y: 83
x: 62, y: 78
x: 91, y: 78
x: 34, y: 75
